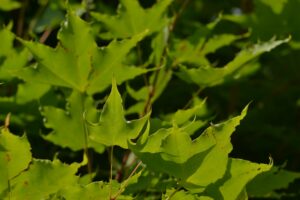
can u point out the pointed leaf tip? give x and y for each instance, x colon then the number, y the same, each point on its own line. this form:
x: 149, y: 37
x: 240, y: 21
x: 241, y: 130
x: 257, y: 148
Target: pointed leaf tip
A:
x: 112, y: 128
x: 114, y: 81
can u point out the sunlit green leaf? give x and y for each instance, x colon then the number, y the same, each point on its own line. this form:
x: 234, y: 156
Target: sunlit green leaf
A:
x: 93, y: 191
x: 238, y: 174
x: 11, y: 59
x: 182, y: 116
x: 187, y: 118
x: 79, y: 64
x: 69, y: 64
x: 15, y: 156
x: 43, y: 178
x: 172, y: 151
x: 69, y: 126
x: 108, y: 64
x: 214, y: 163
x: 36, y: 91
x: 112, y: 128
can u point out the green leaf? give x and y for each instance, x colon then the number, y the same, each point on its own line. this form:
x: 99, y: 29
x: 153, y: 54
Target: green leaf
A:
x: 139, y: 95
x: 265, y: 184
x: 188, y: 118
x: 8, y: 37
x: 239, y: 173
x: 108, y: 64
x: 93, y: 191
x: 8, y: 5
x: 69, y: 64
x: 15, y: 157
x: 209, y: 76
x: 214, y: 164
x: 196, y: 163
x: 218, y: 41
x: 43, y: 178
x: 276, y: 6
x: 69, y: 128
x: 182, y: 116
x: 79, y: 64
x: 11, y: 59
x: 183, y: 195
x: 36, y: 91
x: 133, y: 19
x: 147, y: 180
x: 187, y: 52
x: 112, y: 128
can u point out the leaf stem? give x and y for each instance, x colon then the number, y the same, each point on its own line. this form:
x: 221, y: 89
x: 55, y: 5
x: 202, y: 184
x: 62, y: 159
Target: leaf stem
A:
x: 111, y: 171
x: 178, y: 14
x: 152, y: 86
x: 120, y: 174
x: 172, y: 194
x: 9, y: 189
x: 21, y: 18
x: 85, y: 131
x: 126, y: 181
x: 191, y: 100
x: 45, y: 35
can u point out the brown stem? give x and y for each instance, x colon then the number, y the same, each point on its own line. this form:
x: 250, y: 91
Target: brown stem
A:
x: 172, y: 194
x: 45, y: 35
x: 85, y: 131
x: 21, y: 18
x: 148, y: 103
x: 119, y: 174
x: 111, y: 171
x: 191, y: 100
x: 152, y: 86
x: 178, y: 14
x: 126, y: 182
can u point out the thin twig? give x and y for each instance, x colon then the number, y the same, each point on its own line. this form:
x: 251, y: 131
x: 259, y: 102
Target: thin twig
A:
x: 45, y: 35
x: 111, y: 171
x: 9, y: 189
x: 126, y: 181
x: 172, y: 194
x: 178, y: 14
x: 119, y: 174
x: 152, y: 87
x: 85, y: 131
x: 191, y: 100
x: 21, y: 18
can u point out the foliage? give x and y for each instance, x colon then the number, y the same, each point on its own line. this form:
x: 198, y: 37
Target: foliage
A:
x: 169, y: 75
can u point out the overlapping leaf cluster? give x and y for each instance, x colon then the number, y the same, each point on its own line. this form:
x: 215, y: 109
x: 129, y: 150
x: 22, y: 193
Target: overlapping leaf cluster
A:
x: 180, y: 155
